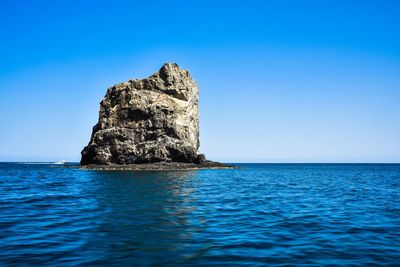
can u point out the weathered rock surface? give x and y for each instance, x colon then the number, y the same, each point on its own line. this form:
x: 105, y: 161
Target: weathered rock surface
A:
x: 146, y: 121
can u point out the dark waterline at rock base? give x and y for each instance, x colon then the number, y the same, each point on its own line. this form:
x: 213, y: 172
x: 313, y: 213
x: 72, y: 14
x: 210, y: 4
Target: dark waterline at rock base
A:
x: 160, y: 166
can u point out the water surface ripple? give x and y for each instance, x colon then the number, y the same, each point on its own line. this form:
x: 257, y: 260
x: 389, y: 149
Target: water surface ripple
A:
x: 259, y: 214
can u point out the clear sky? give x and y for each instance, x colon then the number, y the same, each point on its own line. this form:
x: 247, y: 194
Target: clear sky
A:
x: 280, y: 81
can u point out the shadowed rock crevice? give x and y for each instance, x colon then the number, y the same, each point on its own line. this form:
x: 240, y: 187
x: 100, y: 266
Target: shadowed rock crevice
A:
x: 147, y: 121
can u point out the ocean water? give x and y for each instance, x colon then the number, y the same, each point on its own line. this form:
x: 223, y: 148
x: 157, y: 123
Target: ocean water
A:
x: 256, y: 215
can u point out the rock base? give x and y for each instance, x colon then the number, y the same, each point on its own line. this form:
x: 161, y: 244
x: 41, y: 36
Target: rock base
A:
x: 161, y: 166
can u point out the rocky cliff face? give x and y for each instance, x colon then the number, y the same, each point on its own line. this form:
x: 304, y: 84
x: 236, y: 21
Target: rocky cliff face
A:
x: 149, y: 120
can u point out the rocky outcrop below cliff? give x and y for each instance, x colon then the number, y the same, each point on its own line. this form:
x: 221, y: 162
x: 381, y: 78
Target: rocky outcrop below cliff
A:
x: 152, y: 120
x: 160, y: 166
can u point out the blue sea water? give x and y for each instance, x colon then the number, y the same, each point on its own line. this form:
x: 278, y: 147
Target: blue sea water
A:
x: 256, y: 215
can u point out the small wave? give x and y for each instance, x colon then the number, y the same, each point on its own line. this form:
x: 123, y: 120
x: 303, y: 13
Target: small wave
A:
x: 35, y: 163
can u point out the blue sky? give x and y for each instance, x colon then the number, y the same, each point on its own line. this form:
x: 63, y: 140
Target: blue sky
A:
x: 280, y: 81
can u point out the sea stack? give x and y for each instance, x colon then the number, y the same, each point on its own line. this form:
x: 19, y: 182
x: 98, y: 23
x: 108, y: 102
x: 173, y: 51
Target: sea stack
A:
x: 153, y: 120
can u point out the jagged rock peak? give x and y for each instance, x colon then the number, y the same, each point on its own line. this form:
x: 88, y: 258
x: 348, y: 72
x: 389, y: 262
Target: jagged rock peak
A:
x: 149, y: 120
x: 169, y: 70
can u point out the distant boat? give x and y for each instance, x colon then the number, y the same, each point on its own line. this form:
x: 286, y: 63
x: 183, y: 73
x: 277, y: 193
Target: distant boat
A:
x: 60, y: 162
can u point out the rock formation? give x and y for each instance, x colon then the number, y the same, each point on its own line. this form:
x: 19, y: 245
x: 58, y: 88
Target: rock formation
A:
x: 150, y: 120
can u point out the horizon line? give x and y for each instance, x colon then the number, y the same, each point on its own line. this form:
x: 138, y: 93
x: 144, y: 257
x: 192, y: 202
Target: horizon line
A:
x: 77, y: 162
